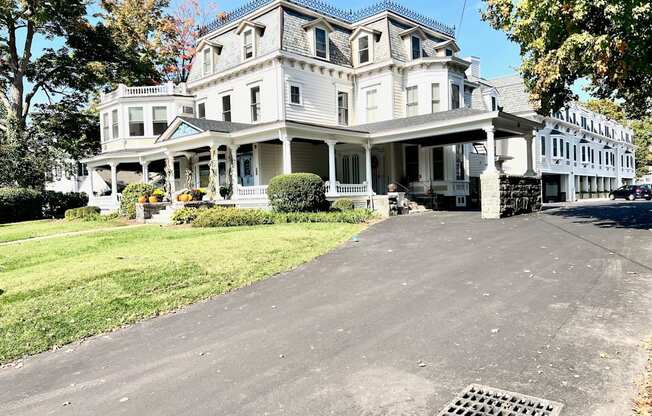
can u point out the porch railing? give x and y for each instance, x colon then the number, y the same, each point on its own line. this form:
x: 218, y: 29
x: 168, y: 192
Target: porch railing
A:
x: 252, y: 192
x: 346, y: 188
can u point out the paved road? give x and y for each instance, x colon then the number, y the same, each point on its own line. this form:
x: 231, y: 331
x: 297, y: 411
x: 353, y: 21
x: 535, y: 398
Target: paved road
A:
x: 552, y: 305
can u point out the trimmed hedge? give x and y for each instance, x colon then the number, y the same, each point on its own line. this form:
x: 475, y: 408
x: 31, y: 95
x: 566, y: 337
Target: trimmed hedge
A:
x: 20, y: 204
x: 297, y: 192
x: 55, y: 204
x: 232, y: 217
x: 185, y: 215
x: 130, y: 196
x: 343, y: 204
x: 83, y: 213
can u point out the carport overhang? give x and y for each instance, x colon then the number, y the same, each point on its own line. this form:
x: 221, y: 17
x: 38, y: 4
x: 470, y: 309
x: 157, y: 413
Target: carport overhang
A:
x: 466, y: 129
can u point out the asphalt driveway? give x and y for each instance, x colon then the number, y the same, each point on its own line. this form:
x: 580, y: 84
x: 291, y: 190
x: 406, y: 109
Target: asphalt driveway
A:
x: 553, y: 305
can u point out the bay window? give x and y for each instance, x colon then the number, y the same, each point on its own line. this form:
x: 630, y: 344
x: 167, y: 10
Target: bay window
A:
x: 136, y: 122
x: 159, y: 120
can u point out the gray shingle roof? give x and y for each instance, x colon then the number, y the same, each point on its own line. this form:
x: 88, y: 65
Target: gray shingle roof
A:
x: 215, y: 125
x: 418, y: 120
x: 513, y: 96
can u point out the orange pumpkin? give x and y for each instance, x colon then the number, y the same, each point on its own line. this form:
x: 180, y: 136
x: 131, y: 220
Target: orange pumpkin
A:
x: 142, y: 199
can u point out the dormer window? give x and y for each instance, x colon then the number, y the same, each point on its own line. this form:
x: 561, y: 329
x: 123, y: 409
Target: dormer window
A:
x: 363, y: 50
x: 321, y: 43
x: 207, y: 61
x: 449, y: 52
x: 248, y: 44
x: 416, y: 47
x: 249, y: 30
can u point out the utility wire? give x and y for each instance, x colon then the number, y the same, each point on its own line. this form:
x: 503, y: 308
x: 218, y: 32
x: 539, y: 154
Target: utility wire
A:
x: 459, y: 27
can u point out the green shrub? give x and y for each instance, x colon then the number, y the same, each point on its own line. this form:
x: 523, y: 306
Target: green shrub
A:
x: 20, y: 204
x: 130, y: 196
x: 83, y: 213
x: 55, y: 204
x: 343, y: 204
x: 232, y: 217
x: 297, y: 192
x: 185, y: 215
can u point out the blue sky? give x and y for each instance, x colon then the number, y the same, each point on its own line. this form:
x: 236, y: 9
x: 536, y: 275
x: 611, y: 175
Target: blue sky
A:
x: 498, y: 56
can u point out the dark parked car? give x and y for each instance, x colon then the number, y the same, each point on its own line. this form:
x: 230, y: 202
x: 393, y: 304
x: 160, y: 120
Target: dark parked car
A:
x: 632, y: 192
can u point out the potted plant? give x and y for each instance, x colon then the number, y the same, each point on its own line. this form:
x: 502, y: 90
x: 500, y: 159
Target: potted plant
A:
x: 142, y: 199
x: 156, y: 196
x: 197, y: 194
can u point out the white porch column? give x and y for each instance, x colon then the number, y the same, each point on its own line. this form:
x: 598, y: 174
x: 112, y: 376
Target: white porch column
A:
x: 114, y: 180
x: 530, y: 168
x: 214, y: 172
x: 233, y: 149
x: 570, y: 191
x: 619, y: 168
x: 367, y: 149
x: 169, y: 164
x: 332, y: 174
x: 287, y: 154
x: 491, y: 150
x: 91, y: 174
x: 145, y: 168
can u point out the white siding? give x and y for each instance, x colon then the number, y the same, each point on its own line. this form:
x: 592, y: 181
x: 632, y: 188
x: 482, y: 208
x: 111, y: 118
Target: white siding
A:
x: 319, y: 93
x: 310, y: 157
x: 383, y: 84
x: 270, y: 161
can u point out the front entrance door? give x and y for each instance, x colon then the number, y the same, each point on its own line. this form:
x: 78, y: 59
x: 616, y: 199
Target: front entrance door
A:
x: 245, y: 169
x: 551, y: 188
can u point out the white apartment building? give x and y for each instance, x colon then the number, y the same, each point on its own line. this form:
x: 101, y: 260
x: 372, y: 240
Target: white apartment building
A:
x: 580, y: 154
x: 361, y: 98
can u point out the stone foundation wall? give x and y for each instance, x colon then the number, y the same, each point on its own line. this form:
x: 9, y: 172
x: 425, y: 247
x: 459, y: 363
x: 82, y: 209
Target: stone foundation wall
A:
x: 519, y: 195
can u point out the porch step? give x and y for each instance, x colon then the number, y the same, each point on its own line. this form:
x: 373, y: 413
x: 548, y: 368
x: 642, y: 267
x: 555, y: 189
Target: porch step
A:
x: 164, y: 217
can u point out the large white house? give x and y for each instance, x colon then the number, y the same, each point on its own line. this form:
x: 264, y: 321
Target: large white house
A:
x: 579, y: 153
x: 361, y: 98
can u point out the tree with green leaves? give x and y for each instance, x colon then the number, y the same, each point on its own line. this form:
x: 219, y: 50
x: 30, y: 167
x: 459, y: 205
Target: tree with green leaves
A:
x: 79, y: 57
x: 607, y: 42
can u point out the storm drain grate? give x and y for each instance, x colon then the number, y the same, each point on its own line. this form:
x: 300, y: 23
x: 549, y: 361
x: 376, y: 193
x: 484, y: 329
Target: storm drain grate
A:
x: 477, y: 400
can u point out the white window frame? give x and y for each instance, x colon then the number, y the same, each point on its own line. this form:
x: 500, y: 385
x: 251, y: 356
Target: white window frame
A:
x: 348, y: 107
x: 411, y: 43
x: 207, y: 53
x: 197, y: 113
x: 253, y: 43
x: 314, y: 42
x: 300, y: 87
x: 371, y: 112
x: 115, y: 123
x: 435, y: 100
x: 412, y: 107
x: 259, y: 108
x: 106, y: 135
x: 154, y: 120
x: 142, y: 108
x: 230, y: 95
x: 369, y: 49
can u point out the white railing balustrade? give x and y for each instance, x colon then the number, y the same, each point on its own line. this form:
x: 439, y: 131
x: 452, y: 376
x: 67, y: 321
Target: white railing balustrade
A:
x: 252, y: 192
x: 144, y: 91
x: 459, y: 188
x: 346, y: 188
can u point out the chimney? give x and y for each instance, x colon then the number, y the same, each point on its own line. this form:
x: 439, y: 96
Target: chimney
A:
x: 474, y: 70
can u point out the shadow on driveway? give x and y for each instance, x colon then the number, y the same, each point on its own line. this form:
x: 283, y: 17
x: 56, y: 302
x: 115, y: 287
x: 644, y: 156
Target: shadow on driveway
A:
x: 612, y: 214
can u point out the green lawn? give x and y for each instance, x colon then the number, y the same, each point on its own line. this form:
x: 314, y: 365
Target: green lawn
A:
x: 41, y: 228
x: 63, y: 289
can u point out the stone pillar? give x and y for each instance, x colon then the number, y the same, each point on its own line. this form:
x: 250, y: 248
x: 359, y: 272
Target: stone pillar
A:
x: 145, y: 168
x: 233, y: 149
x: 491, y: 150
x: 490, y: 191
x: 530, y: 165
x: 287, y: 154
x: 332, y: 174
x: 114, y: 180
x: 370, y: 187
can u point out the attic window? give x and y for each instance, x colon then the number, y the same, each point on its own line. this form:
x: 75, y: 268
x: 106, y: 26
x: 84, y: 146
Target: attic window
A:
x: 449, y: 52
x: 363, y: 49
x: 416, y: 47
x: 248, y: 44
x: 321, y: 43
x: 207, y: 61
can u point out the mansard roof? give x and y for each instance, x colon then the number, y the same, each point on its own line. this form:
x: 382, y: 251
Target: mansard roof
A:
x: 326, y: 9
